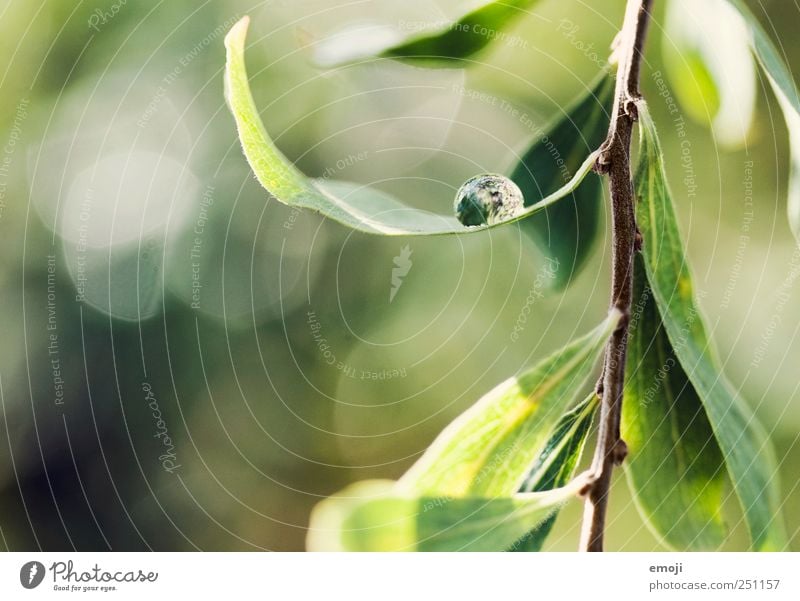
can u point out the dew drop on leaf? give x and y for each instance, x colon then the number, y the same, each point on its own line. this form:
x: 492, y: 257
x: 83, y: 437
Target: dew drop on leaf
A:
x: 487, y: 199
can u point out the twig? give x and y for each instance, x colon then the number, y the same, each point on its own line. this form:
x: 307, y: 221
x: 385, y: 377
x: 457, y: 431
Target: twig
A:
x: 615, y: 161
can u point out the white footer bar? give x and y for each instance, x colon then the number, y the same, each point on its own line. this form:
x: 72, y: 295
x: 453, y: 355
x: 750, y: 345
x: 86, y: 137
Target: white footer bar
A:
x: 401, y: 577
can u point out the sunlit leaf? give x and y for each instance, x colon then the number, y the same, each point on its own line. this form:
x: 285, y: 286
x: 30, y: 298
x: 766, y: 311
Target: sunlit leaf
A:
x: 674, y: 465
x: 748, y: 456
x: 353, y: 205
x: 489, y: 449
x: 556, y: 465
x: 566, y: 231
x: 444, y: 43
x: 710, y: 67
x: 375, y: 516
x: 780, y: 78
x: 462, y: 495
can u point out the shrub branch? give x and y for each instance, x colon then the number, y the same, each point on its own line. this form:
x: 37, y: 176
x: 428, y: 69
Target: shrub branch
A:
x: 614, y: 161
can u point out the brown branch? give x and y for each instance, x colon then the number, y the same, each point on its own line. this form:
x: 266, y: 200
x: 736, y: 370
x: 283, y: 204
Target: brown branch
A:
x: 614, y: 160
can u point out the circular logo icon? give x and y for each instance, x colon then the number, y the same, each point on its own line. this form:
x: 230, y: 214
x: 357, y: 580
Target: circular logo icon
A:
x: 31, y: 574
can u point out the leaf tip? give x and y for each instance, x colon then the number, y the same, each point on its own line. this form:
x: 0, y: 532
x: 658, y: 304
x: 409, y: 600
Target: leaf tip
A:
x: 237, y: 34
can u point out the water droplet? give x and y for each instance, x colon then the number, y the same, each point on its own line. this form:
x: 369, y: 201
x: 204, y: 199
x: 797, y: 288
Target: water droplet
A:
x: 487, y: 199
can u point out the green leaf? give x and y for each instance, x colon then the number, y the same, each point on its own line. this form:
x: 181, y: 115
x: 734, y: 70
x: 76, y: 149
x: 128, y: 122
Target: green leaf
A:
x: 674, y: 465
x: 782, y: 83
x: 708, y: 61
x: 556, y: 465
x: 374, y: 516
x: 460, y: 496
x: 488, y: 450
x: 566, y: 231
x: 444, y: 43
x: 748, y: 457
x: 353, y: 205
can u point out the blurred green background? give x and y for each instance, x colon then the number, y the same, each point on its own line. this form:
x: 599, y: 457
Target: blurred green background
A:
x: 187, y: 364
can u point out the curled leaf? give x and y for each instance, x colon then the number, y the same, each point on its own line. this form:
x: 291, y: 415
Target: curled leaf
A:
x: 356, y: 206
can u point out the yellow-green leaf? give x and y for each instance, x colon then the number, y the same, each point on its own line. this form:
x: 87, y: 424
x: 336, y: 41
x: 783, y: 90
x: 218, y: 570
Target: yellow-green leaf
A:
x: 376, y: 516
x: 489, y: 449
